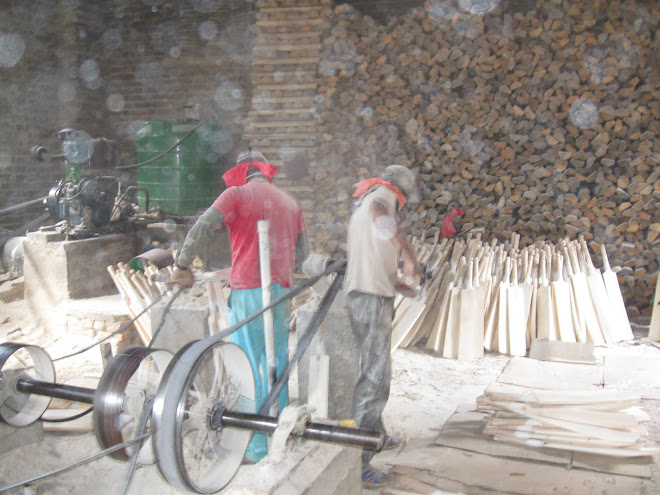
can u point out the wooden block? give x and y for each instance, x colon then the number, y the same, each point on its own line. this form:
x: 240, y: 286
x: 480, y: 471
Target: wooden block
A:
x: 504, y: 475
x: 547, y: 375
x: 583, y: 303
x: 638, y: 467
x: 516, y: 317
x: 599, y: 297
x: 621, y: 323
x: 654, y: 328
x: 563, y: 309
x: 450, y: 344
x: 471, y: 330
x: 502, y: 331
x: 567, y: 352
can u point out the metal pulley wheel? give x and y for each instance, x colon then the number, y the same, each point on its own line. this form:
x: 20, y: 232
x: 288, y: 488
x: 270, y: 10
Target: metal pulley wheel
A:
x: 19, y: 361
x: 191, y: 455
x: 127, y: 384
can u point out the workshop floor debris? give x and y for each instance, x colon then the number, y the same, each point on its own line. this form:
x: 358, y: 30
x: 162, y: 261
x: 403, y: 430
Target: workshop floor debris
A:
x: 433, y: 407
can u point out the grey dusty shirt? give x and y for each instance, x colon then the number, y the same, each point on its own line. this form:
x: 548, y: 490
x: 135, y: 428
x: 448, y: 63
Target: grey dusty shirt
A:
x: 372, y: 257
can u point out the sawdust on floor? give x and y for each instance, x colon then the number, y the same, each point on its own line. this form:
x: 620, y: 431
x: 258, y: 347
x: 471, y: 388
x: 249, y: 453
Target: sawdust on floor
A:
x: 426, y: 390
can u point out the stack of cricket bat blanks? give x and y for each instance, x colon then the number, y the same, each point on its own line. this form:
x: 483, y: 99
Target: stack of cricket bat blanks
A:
x: 480, y: 296
x: 603, y: 422
x: 138, y: 292
x: 541, y: 428
x: 654, y: 327
x: 568, y: 406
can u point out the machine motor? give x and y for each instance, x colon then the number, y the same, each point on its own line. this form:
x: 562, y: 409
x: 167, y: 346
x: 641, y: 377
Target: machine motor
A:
x: 89, y: 198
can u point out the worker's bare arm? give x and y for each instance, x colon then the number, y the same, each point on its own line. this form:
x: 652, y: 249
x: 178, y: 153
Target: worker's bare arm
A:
x: 301, y: 249
x: 199, y: 235
x: 389, y: 227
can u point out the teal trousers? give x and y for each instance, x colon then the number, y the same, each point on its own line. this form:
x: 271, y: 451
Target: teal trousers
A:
x: 250, y: 337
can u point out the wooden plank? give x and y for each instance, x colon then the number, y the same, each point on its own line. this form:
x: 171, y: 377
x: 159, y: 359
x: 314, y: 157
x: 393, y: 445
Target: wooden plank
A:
x: 286, y: 61
x: 289, y: 22
x: 501, y: 332
x: 443, y: 484
x: 450, y: 345
x: 547, y: 375
x: 471, y: 311
x: 599, y: 297
x: 124, y: 291
x: 278, y: 10
x: 281, y: 47
x: 465, y: 431
x: 281, y: 124
x: 648, y: 452
x: 566, y: 331
x: 654, y: 328
x: 506, y: 475
x: 545, y: 314
x: 436, y: 339
x: 516, y: 316
x: 633, y: 372
x: 427, y: 298
x: 622, y: 324
x: 559, y: 351
x: 623, y: 421
x: 616, y: 399
x: 408, y: 319
x: 639, y: 467
x: 583, y: 303
x: 531, y: 296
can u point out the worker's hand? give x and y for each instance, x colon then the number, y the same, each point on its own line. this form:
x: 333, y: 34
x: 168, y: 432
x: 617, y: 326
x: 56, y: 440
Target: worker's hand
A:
x: 409, y: 279
x: 406, y: 291
x: 411, y: 270
x: 182, y: 277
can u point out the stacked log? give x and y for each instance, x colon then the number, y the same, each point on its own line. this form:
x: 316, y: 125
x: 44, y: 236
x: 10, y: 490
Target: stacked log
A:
x: 540, y: 121
x: 481, y: 296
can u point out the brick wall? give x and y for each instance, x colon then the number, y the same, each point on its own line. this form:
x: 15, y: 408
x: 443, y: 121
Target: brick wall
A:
x: 104, y: 67
x: 31, y: 34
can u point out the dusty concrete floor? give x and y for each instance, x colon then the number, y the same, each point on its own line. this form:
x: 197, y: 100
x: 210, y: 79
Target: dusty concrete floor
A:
x: 425, y: 392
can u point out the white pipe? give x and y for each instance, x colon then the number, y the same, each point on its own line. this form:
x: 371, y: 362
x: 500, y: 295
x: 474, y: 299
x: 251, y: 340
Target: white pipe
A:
x: 263, y: 226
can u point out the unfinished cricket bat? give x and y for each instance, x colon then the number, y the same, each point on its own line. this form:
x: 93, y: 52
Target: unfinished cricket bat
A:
x: 619, y: 314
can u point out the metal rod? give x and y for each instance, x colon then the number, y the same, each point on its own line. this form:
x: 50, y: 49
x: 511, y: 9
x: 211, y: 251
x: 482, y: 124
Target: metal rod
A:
x: 334, y: 267
x: 59, y: 391
x: 20, y: 206
x: 263, y: 227
x: 304, y: 341
x: 355, y: 437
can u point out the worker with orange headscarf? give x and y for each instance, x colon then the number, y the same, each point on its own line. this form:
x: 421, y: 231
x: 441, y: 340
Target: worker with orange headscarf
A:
x: 375, y: 244
x: 250, y: 197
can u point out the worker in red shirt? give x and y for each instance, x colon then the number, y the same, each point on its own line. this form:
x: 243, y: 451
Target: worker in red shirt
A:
x: 250, y: 196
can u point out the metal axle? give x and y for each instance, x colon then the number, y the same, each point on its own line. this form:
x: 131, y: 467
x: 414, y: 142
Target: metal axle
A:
x: 223, y: 418
x: 58, y: 391
x: 355, y: 437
